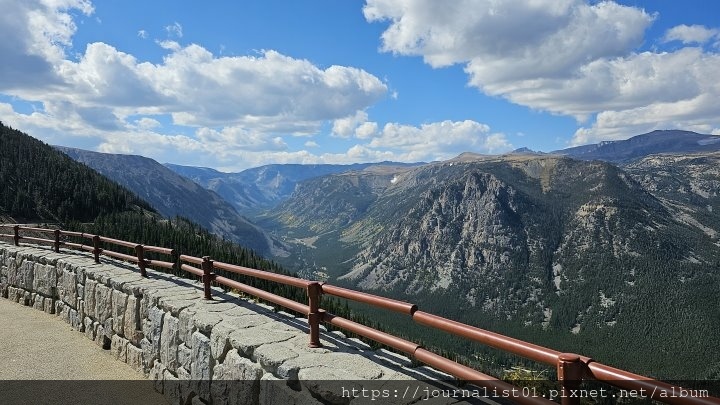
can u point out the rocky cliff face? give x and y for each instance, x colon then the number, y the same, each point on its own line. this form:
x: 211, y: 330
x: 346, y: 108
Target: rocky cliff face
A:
x: 503, y: 234
x: 553, y: 244
x: 264, y: 187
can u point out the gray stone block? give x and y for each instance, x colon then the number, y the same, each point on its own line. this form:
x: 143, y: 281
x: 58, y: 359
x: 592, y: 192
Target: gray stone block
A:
x: 274, y: 391
x: 131, y: 321
x: 44, y: 279
x: 237, y: 380
x: 247, y: 340
x: 220, y: 340
x: 201, y: 370
x: 271, y: 356
x: 135, y: 358
x: 149, y: 353
x: 169, y: 342
x: 118, y: 301
x: 118, y: 348
x: 184, y: 357
x: 67, y: 288
x: 187, y: 326
x: 103, y: 304
x: 89, y: 328
x: 90, y: 287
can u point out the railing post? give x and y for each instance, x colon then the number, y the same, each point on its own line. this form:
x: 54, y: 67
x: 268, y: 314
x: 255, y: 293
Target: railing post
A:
x: 96, y: 248
x: 570, y: 372
x: 208, y: 276
x: 140, y: 252
x: 57, y: 241
x: 16, y: 236
x: 314, y: 315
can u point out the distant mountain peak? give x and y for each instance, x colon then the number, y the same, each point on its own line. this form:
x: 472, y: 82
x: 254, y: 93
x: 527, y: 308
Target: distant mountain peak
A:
x: 525, y: 151
x: 671, y: 141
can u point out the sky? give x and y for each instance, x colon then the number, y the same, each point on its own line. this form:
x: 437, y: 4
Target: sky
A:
x: 237, y: 84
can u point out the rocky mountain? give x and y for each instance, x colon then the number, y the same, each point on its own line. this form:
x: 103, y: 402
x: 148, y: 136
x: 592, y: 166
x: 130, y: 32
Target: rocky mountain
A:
x: 174, y: 195
x: 656, y: 142
x: 260, y: 188
x: 582, y: 254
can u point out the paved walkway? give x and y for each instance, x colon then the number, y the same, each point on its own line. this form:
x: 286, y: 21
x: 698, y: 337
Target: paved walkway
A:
x: 44, y: 361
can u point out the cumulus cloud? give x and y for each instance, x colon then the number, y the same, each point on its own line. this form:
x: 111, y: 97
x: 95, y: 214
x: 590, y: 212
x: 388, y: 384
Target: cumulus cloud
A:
x: 35, y: 35
x: 247, y: 102
x: 691, y: 34
x: 568, y: 57
x: 345, y: 127
x: 439, y: 140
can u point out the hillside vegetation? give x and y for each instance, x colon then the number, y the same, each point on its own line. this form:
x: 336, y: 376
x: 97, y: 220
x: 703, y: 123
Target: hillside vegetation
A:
x: 40, y: 183
x: 43, y: 185
x: 618, y: 263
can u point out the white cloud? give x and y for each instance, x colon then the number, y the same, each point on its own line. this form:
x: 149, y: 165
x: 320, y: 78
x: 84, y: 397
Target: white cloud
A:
x: 142, y: 34
x: 174, y: 30
x: 691, y: 34
x: 148, y: 123
x: 345, y: 127
x: 568, y: 57
x: 366, y: 130
x: 35, y: 35
x: 251, y: 100
x: 169, y: 45
x: 439, y: 140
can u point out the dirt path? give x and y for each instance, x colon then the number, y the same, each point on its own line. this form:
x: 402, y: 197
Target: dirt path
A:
x: 44, y: 361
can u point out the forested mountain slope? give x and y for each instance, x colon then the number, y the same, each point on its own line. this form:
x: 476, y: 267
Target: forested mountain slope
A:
x: 40, y: 183
x: 618, y: 263
x: 174, y: 195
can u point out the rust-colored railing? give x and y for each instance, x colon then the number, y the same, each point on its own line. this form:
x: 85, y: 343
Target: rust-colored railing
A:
x: 572, y: 368
x: 96, y: 246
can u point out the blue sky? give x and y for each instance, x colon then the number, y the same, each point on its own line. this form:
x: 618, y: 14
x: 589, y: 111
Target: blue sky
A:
x: 237, y: 84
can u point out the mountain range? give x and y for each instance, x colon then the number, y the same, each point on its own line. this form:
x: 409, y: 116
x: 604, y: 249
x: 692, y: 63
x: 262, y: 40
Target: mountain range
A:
x: 254, y: 190
x: 652, y: 143
x: 174, y: 195
x: 610, y: 250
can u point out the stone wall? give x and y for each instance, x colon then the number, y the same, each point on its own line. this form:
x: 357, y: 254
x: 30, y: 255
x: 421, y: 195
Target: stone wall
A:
x: 224, y: 351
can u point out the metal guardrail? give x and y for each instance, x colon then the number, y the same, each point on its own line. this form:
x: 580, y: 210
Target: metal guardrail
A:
x: 572, y: 368
x: 96, y: 248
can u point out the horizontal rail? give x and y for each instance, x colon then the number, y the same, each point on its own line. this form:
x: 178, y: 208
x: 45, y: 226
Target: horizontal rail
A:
x: 657, y: 390
x: 118, y: 242
x: 381, y: 302
x: 191, y: 269
x: 387, y: 339
x: 4, y: 235
x: 120, y: 256
x: 265, y: 275
x: 570, y: 367
x: 157, y: 249
x: 78, y: 246
x: 77, y: 234
x: 276, y: 299
x: 515, y: 346
x: 39, y: 240
x: 33, y: 229
x: 160, y: 263
x: 191, y: 259
x: 480, y: 379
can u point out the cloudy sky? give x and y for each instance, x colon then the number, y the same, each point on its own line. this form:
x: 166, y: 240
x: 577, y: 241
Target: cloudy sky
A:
x: 238, y: 84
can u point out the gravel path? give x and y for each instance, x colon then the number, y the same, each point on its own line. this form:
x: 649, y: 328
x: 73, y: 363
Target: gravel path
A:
x: 44, y: 361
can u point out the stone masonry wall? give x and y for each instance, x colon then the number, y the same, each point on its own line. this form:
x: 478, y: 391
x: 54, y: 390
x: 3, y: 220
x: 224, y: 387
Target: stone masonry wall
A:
x: 224, y: 351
